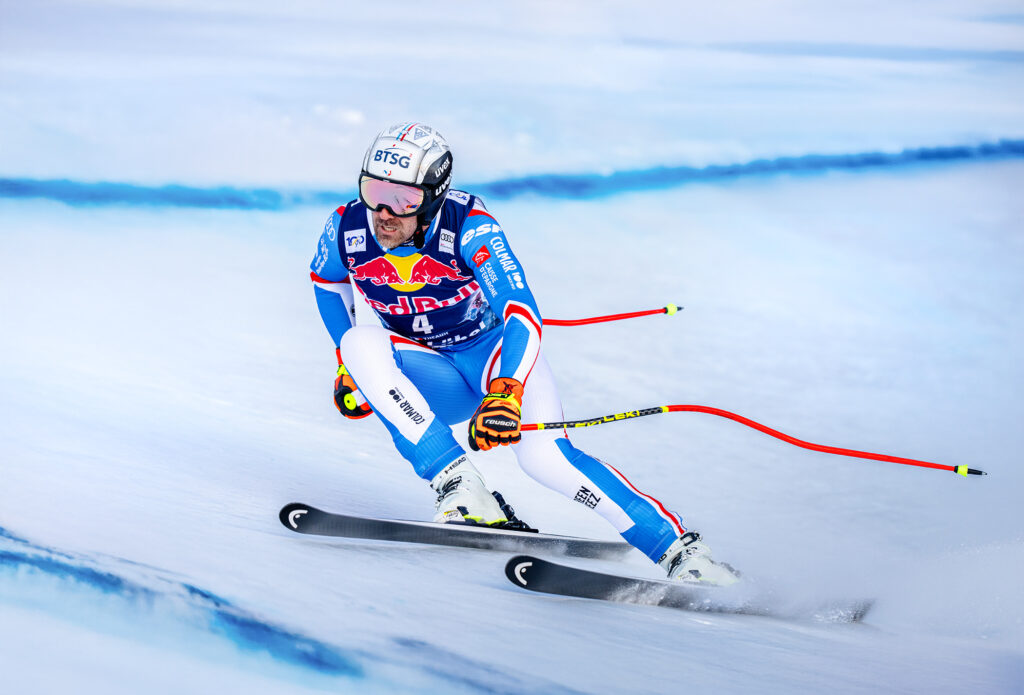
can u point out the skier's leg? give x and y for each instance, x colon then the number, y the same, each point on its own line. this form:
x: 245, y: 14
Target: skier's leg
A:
x: 417, y: 392
x: 551, y: 459
x: 376, y: 358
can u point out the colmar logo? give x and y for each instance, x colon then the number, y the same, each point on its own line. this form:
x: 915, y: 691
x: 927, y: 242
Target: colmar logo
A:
x: 406, y: 407
x: 504, y: 257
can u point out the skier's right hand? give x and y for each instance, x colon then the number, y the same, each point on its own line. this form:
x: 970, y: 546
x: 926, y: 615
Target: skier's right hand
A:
x: 347, y: 398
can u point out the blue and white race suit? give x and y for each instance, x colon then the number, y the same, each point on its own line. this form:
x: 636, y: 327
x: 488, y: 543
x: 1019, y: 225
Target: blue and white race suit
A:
x: 455, y: 314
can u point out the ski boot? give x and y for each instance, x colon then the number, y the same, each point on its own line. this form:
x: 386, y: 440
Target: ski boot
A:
x: 689, y: 560
x: 462, y: 498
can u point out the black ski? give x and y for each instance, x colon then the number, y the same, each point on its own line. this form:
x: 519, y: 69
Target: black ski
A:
x: 547, y: 577
x: 303, y: 518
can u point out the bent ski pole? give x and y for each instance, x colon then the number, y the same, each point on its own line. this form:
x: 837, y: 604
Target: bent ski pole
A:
x: 960, y: 470
x: 671, y: 309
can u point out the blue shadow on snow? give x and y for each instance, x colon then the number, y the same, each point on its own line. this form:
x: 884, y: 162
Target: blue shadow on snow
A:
x: 245, y: 630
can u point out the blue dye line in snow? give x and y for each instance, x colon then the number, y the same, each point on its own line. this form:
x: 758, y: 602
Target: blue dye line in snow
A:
x: 102, y: 193
x: 4, y: 533
x: 593, y: 185
x: 570, y: 186
x: 246, y: 631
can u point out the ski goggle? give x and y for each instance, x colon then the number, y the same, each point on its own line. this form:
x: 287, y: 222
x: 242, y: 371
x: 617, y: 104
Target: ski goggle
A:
x: 401, y: 200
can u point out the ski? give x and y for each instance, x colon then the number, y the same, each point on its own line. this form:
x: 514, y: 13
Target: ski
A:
x: 547, y: 577
x: 302, y: 518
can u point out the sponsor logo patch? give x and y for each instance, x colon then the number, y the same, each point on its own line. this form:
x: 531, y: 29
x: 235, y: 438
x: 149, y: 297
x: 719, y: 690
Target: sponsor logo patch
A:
x: 385, y: 157
x: 406, y: 407
x: 355, y: 240
x: 459, y: 197
x: 504, y: 257
x: 446, y: 244
x: 470, y: 234
x: 490, y: 279
x: 586, y: 497
x: 444, y: 184
x: 481, y: 256
x: 455, y: 464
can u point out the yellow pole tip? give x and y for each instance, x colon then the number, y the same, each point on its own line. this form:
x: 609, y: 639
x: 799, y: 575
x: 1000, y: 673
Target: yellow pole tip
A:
x: 671, y: 309
x: 962, y: 470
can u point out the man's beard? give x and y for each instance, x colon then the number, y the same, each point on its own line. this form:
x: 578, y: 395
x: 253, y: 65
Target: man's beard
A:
x: 395, y: 231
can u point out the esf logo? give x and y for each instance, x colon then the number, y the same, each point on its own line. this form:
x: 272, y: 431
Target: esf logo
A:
x: 386, y: 157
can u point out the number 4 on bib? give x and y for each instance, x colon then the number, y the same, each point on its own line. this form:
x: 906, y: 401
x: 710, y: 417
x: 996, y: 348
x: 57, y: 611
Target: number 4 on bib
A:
x: 420, y: 324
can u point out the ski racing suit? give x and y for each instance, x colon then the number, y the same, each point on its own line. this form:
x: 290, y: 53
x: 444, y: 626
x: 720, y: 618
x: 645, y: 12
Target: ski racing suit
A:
x: 455, y: 314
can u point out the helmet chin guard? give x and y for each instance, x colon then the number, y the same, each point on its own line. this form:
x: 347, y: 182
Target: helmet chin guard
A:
x: 414, y: 154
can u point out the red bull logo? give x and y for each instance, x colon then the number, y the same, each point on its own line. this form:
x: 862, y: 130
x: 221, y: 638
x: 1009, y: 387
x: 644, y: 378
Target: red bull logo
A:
x: 431, y: 272
x: 406, y: 273
x: 406, y: 306
x: 378, y: 271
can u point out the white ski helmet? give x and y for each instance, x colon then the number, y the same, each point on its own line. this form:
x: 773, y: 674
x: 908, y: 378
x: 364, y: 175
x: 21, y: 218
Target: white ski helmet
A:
x: 412, y: 154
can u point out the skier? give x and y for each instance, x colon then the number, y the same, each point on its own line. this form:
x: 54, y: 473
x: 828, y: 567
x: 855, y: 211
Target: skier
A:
x: 461, y: 339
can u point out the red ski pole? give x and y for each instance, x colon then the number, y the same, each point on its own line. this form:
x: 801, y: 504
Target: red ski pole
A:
x: 961, y: 470
x: 671, y: 309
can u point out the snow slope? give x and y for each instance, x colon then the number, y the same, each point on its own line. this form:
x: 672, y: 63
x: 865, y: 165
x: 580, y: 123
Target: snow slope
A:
x: 166, y: 379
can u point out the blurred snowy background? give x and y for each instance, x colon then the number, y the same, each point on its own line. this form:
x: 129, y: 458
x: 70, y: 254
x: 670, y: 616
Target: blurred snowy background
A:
x: 854, y: 279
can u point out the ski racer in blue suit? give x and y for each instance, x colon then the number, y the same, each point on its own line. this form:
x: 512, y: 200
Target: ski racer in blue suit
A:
x: 459, y: 338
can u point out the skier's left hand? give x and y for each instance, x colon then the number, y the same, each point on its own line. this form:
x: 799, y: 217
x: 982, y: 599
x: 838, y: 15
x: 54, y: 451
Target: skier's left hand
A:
x: 497, y: 419
x: 347, y: 398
